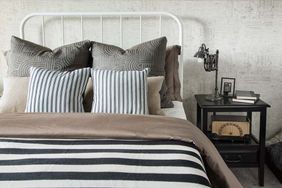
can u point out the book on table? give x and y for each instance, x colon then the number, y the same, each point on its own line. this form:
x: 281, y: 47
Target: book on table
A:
x: 244, y: 101
x: 246, y: 97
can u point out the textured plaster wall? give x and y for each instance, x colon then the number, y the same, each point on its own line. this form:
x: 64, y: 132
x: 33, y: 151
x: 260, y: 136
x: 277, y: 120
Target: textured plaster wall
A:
x: 246, y: 32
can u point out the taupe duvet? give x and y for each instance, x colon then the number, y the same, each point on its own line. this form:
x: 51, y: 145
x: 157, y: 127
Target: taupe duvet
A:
x: 110, y: 126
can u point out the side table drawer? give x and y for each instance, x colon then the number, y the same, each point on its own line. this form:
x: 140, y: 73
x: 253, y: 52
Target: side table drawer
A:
x: 240, y: 158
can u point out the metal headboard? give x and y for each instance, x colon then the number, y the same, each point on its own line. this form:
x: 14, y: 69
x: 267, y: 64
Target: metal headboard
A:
x: 101, y: 15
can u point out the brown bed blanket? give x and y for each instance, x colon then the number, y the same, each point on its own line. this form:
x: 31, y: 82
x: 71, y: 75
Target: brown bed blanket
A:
x: 87, y: 125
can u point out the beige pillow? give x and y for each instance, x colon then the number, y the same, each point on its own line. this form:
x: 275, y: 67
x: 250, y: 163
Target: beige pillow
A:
x: 14, y: 95
x: 3, y: 69
x: 88, y: 96
x: 154, y: 101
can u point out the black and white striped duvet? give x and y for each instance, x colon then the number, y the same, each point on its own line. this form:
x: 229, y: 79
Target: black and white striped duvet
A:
x: 100, y: 163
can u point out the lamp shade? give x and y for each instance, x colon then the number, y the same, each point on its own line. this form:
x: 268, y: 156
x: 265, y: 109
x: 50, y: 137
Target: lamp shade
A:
x: 202, y: 52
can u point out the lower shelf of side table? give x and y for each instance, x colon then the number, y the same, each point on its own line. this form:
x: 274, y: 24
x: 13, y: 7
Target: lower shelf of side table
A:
x: 239, y: 154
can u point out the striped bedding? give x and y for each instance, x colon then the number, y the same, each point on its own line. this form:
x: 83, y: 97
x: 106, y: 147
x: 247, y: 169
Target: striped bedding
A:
x: 100, y: 163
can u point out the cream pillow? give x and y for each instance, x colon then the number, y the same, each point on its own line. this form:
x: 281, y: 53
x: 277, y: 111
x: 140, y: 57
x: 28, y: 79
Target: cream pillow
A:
x: 154, y: 101
x: 3, y: 69
x: 14, y: 95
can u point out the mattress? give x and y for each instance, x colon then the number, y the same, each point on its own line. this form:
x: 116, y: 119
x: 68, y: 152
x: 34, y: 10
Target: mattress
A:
x: 177, y: 111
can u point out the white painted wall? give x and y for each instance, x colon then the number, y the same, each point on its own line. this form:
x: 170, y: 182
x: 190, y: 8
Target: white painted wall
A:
x: 246, y: 32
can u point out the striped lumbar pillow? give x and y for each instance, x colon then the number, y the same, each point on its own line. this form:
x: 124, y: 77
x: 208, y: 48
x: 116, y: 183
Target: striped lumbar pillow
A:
x: 122, y: 92
x: 56, y: 91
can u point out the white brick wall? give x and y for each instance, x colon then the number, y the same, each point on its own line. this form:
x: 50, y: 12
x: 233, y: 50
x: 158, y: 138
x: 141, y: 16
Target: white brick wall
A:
x: 246, y: 32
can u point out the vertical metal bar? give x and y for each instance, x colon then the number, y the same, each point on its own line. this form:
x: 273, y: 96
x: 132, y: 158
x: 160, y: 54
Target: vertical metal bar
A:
x: 63, y: 30
x: 204, y: 120
x: 249, y: 115
x: 199, y: 115
x: 81, y: 28
x: 101, y: 27
x: 43, y: 30
x: 160, y: 25
x: 180, y: 70
x: 120, y: 32
x: 262, y: 145
x: 140, y: 27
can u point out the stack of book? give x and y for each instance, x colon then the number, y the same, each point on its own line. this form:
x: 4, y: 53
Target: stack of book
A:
x: 246, y: 97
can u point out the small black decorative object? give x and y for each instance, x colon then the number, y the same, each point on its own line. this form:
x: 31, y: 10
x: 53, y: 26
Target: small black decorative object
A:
x: 227, y: 87
x: 210, y: 64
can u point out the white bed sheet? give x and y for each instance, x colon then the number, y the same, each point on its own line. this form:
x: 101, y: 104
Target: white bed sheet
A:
x: 177, y: 111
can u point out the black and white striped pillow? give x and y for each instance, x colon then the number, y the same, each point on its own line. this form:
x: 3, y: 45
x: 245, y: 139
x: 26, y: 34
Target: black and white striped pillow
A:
x: 56, y: 91
x: 122, y: 92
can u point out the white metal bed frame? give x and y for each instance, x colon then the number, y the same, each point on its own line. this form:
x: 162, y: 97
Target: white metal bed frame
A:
x: 101, y: 15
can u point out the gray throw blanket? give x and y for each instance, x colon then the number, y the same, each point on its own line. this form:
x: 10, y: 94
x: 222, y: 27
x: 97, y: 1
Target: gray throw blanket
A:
x: 275, y: 152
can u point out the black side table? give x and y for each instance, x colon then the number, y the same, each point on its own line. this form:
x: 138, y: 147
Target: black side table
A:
x: 236, y: 154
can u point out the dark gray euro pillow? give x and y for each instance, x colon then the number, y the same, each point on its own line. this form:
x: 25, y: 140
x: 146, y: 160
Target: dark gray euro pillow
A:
x: 150, y: 54
x: 25, y: 54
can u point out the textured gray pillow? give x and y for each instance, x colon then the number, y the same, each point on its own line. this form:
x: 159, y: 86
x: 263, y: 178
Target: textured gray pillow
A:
x: 25, y: 54
x: 149, y: 54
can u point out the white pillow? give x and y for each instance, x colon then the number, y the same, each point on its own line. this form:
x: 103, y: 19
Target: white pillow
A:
x: 154, y: 100
x: 122, y: 92
x: 56, y: 91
